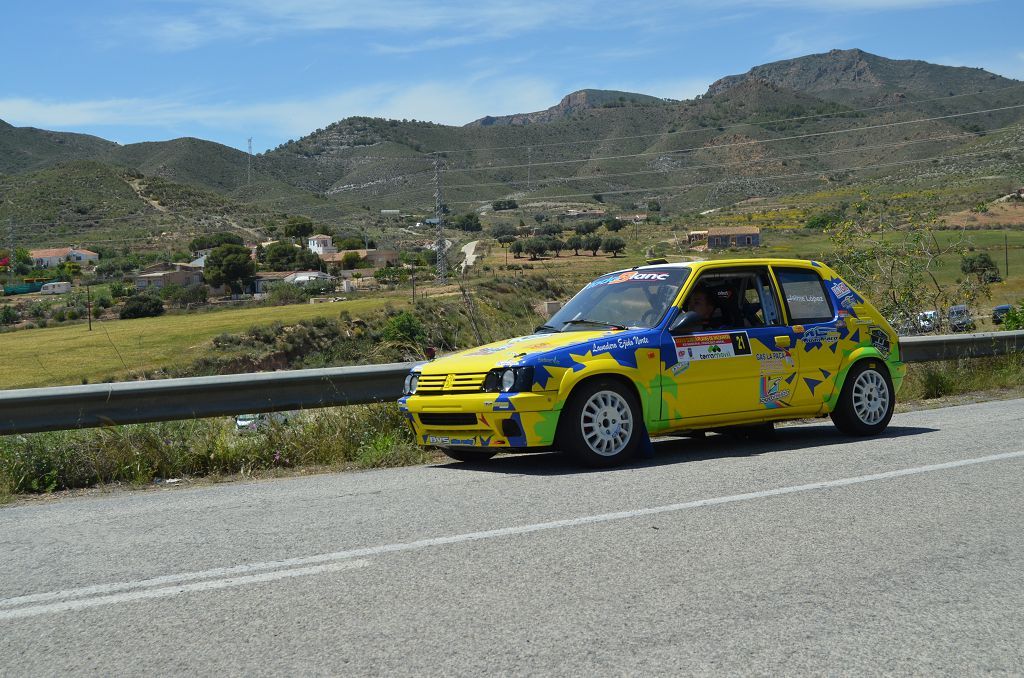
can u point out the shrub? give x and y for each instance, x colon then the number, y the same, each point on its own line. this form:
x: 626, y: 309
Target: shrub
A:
x: 404, y: 327
x: 282, y: 294
x: 142, y: 306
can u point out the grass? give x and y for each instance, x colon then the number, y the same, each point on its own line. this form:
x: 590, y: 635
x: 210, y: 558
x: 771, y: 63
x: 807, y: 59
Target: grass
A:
x: 928, y: 381
x: 71, y: 354
x: 370, y: 436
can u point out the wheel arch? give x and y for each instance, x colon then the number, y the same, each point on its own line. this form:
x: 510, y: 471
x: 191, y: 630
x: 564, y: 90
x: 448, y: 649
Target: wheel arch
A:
x: 618, y: 376
x: 858, y: 355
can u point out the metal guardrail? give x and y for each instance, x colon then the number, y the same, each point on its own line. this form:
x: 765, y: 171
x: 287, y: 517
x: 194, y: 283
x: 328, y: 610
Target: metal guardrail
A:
x: 34, y: 410
x: 954, y: 346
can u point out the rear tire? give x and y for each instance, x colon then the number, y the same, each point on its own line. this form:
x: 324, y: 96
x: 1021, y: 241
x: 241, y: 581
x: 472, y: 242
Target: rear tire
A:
x: 867, y: 400
x: 602, y: 423
x: 469, y: 456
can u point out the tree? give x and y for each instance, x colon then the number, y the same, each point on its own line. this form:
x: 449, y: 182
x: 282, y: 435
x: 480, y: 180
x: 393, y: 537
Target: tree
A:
x: 282, y: 256
x: 536, y: 247
x: 404, y: 327
x: 499, y: 205
x: 557, y: 245
x: 298, y: 227
x: 614, y: 225
x: 517, y: 248
x: 575, y: 243
x: 592, y: 243
x: 551, y: 229
x: 540, y: 218
x: 503, y: 230
x: 982, y: 266
x: 468, y: 222
x: 230, y: 265
x: 278, y: 256
x: 653, y: 206
x: 350, y: 260
x: 598, y: 197
x: 891, y: 256
x: 211, y: 240
x: 614, y: 245
x: 586, y: 227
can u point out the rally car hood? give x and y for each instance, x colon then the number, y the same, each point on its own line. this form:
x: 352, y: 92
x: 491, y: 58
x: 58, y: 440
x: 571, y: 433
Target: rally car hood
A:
x: 512, y: 351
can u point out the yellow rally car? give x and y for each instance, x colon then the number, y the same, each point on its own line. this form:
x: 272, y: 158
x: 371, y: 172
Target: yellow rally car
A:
x: 666, y: 348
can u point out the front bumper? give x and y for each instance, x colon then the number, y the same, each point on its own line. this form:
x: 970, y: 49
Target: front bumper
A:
x: 485, y: 420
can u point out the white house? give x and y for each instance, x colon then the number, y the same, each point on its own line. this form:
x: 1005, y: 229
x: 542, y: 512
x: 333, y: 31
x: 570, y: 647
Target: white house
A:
x: 321, y: 244
x: 51, y: 258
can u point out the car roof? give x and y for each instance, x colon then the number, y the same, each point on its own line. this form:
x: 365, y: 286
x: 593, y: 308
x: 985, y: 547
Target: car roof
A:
x: 702, y: 263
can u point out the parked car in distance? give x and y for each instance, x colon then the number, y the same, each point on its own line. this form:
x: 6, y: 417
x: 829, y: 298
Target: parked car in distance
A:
x: 927, y: 321
x: 999, y: 312
x: 250, y: 423
x: 55, y: 288
x: 960, y: 319
x: 666, y: 348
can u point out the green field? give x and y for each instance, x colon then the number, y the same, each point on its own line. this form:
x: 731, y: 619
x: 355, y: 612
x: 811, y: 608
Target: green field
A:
x: 71, y: 354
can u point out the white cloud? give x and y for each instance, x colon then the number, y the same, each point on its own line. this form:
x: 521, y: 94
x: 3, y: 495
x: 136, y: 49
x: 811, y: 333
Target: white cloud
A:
x: 447, y: 102
x: 800, y: 43
x: 424, y: 24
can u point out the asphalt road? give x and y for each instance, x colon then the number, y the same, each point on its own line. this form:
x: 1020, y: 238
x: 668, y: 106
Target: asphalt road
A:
x: 812, y: 553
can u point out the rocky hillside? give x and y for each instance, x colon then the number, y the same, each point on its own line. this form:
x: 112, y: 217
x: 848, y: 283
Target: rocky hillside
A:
x: 581, y: 100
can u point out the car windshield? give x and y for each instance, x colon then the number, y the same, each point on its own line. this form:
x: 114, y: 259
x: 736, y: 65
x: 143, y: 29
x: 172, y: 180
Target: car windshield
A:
x: 637, y: 298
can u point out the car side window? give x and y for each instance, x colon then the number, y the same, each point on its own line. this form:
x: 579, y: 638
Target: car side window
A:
x: 805, y: 296
x: 734, y: 299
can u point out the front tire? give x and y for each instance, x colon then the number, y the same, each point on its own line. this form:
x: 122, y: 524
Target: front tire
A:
x: 469, y: 456
x: 867, y: 400
x: 602, y: 424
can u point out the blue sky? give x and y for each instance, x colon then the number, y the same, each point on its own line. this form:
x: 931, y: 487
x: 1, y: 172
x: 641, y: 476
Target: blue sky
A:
x: 273, y: 70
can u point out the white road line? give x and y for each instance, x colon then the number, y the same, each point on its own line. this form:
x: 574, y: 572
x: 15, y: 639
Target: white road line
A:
x: 168, y: 591
x: 304, y: 565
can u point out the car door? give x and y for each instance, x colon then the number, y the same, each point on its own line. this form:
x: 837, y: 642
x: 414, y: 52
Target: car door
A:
x: 816, y: 329
x: 741, y: 363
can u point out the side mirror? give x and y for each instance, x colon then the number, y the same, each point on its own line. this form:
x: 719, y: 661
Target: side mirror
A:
x: 687, y: 322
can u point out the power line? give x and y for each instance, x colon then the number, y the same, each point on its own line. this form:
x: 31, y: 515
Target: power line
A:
x: 840, y: 151
x: 772, y: 177
x: 486, y: 168
x: 740, y: 124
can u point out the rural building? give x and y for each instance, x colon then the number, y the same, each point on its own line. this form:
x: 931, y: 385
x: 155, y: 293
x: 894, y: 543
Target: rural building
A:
x: 734, y: 236
x: 695, y: 237
x: 185, y: 277
x: 263, y: 279
x: 377, y: 258
x: 51, y: 258
x: 321, y: 244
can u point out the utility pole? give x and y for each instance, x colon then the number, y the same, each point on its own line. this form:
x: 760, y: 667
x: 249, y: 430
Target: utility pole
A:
x: 248, y: 174
x: 10, y: 250
x: 439, y: 244
x: 1006, y: 252
x: 88, y: 304
x: 529, y: 168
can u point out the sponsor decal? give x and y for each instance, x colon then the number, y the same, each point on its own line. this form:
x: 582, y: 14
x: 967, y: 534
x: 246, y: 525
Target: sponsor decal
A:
x: 820, y: 336
x: 805, y: 298
x: 446, y: 440
x: 880, y: 340
x: 772, y: 391
x: 840, y: 289
x: 848, y: 302
x: 774, y: 362
x: 622, y: 342
x: 712, y: 346
x: 631, y: 276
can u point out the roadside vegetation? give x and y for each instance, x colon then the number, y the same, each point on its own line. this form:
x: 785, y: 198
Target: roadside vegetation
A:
x: 333, y: 439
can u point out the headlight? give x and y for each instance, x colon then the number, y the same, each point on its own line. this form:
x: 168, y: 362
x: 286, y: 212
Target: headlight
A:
x: 411, y: 382
x: 509, y: 379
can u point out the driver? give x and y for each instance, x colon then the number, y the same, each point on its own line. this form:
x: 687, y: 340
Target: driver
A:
x: 701, y: 302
